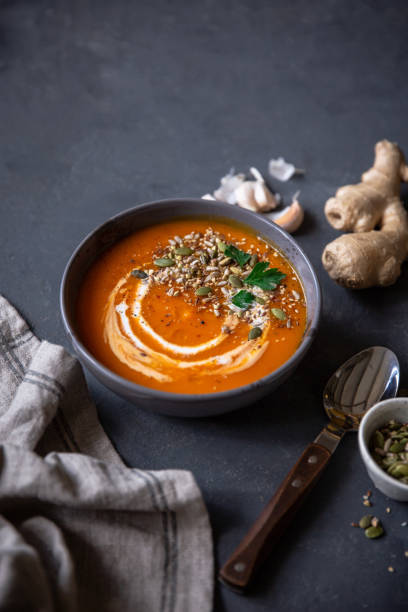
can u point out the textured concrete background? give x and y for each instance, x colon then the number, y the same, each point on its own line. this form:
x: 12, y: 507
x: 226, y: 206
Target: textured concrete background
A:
x: 107, y: 104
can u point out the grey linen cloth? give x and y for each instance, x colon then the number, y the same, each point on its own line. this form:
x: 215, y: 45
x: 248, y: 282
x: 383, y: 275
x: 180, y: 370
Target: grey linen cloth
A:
x: 78, y: 529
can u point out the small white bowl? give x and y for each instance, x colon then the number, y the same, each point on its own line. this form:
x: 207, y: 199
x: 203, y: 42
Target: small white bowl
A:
x: 378, y: 416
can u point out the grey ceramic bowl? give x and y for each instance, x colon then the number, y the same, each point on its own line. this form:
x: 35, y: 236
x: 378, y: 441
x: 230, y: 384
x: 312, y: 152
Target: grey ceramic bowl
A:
x: 177, y: 404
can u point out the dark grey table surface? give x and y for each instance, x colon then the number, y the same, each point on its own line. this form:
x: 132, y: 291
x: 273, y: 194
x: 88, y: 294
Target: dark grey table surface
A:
x: 104, y: 105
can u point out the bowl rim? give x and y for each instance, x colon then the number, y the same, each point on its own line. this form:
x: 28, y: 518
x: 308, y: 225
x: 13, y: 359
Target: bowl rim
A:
x: 117, y: 379
x: 364, y: 450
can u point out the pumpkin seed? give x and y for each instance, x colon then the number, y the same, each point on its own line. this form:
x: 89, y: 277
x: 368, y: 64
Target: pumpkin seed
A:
x: 203, y: 291
x: 221, y: 246
x: 378, y: 439
x: 164, y: 262
x: 398, y: 469
x: 183, y: 251
x: 397, y: 447
x: 260, y: 300
x: 365, y: 521
x: 387, y: 461
x: 235, y: 281
x: 254, y: 333
x: 139, y: 274
x: 393, y: 456
x: 374, y: 532
x: 278, y: 313
x: 253, y: 260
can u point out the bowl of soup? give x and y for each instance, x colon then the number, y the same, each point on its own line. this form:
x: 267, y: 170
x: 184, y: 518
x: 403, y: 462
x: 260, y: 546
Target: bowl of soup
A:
x: 190, y: 307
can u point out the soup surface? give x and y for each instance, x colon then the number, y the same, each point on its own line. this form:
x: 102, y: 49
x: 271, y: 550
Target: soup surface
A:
x: 192, y: 306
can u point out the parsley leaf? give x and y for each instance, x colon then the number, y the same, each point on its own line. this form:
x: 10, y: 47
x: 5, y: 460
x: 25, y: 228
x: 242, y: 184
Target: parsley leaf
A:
x: 243, y: 299
x: 267, y: 279
x: 239, y: 256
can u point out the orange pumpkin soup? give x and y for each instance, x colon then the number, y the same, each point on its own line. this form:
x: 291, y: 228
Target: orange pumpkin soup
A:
x: 192, y: 306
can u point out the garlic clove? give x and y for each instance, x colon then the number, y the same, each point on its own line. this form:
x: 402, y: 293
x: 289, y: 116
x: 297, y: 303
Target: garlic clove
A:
x: 256, y: 174
x: 291, y: 217
x: 245, y: 197
x: 265, y: 199
x: 228, y: 184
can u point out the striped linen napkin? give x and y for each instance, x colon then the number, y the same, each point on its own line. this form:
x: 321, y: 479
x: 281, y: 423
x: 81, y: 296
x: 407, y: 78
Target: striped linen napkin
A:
x: 78, y: 529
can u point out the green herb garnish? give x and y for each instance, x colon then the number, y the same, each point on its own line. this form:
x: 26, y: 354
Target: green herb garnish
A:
x: 264, y: 277
x: 243, y: 299
x: 239, y: 256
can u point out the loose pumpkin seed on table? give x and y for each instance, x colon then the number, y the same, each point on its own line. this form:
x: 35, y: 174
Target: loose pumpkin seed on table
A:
x: 365, y: 521
x: 374, y: 532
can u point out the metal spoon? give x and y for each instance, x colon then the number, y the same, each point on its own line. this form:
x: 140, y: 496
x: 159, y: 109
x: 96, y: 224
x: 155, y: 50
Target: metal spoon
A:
x: 365, y: 379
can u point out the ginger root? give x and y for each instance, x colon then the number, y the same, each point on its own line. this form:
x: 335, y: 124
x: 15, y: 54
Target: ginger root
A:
x: 370, y: 257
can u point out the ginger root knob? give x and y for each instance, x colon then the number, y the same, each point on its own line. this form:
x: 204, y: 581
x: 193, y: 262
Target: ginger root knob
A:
x: 368, y: 256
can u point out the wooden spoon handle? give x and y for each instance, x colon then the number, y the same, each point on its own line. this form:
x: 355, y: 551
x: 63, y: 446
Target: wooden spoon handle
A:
x: 276, y: 516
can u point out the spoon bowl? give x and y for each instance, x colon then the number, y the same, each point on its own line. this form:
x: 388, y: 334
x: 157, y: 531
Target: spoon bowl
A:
x: 358, y: 384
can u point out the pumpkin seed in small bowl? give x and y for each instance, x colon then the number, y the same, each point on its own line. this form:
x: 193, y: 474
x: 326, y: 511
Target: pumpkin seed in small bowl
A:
x: 383, y: 443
